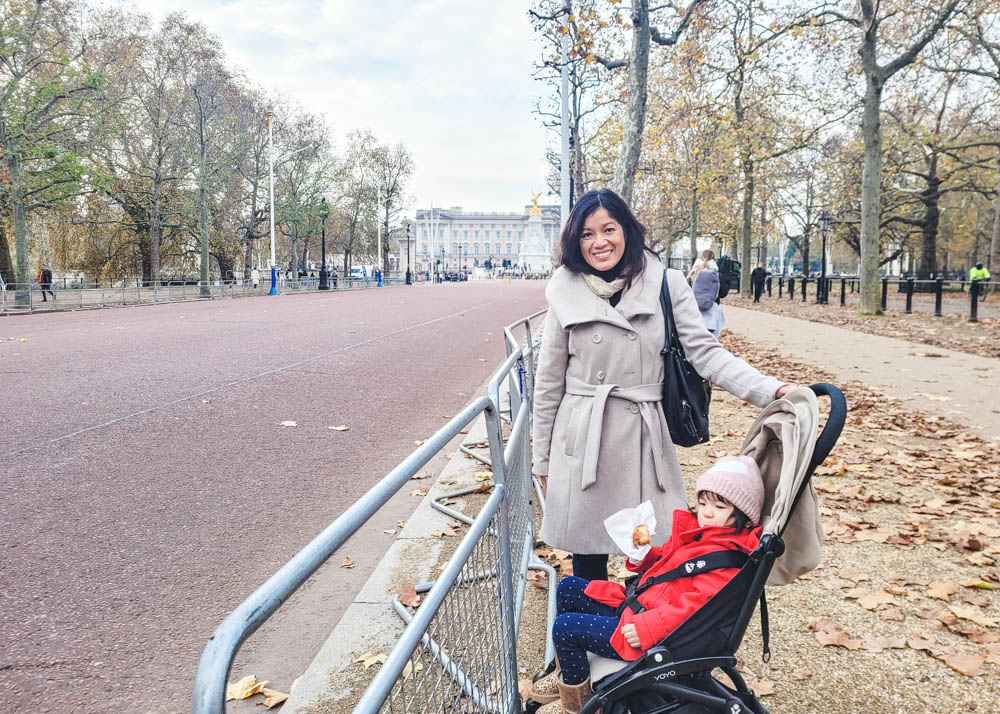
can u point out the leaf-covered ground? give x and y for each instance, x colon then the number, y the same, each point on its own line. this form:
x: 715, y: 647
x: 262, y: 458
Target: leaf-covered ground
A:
x: 902, y: 615
x: 951, y: 331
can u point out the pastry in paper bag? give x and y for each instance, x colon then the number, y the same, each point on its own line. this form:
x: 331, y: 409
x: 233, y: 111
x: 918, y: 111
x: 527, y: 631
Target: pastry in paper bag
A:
x: 632, y: 530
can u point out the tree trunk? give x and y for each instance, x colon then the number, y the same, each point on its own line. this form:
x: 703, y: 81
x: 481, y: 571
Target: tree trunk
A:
x: 6, y: 267
x: 22, y: 274
x: 804, y: 250
x: 155, y: 233
x: 225, y: 265
x: 932, y: 214
x: 203, y: 200
x: 305, y: 253
x: 762, y: 250
x: 294, y: 263
x: 578, y: 162
x: 747, y: 237
x: 994, y: 265
x: 693, y: 226
x: 635, y: 120
x: 871, y: 129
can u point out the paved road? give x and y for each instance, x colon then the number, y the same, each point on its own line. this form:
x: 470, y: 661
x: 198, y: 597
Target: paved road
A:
x: 149, y: 487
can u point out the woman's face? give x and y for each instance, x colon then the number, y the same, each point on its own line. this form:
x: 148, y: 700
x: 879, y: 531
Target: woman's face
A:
x: 602, y: 241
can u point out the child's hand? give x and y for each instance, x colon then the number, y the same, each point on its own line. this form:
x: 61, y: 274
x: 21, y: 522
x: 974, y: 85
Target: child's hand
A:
x: 632, y: 637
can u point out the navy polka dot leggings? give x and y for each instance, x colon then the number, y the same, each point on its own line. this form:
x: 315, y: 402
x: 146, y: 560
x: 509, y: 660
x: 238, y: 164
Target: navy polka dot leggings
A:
x: 582, y: 625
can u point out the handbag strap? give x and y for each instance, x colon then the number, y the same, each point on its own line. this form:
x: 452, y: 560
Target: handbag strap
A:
x: 670, y: 328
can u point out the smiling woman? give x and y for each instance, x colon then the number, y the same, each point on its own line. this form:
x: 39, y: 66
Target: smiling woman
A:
x: 601, y: 441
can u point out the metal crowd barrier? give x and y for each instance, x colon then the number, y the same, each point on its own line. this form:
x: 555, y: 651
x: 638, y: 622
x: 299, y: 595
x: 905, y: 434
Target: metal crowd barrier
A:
x: 21, y: 297
x: 458, y: 651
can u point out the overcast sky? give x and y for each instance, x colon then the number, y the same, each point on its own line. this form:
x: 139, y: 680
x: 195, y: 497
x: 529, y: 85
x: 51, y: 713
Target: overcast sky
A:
x: 450, y: 79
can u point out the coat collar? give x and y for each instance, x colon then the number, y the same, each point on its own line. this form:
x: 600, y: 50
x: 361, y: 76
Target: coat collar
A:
x: 574, y: 302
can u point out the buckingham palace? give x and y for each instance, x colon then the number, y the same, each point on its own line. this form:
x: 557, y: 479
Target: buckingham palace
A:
x: 468, y: 238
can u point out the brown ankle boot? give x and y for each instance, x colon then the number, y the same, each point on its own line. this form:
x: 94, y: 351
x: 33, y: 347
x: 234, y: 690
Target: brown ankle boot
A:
x: 572, y: 697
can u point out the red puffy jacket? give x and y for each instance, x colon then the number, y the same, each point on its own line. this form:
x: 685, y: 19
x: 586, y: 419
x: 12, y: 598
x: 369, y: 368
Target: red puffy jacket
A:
x: 669, y: 604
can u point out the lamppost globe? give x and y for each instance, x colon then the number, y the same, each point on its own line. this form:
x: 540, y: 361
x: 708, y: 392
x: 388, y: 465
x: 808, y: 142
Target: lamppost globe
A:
x: 324, y: 276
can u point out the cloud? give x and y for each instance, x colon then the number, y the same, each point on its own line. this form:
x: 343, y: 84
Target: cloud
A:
x: 450, y: 79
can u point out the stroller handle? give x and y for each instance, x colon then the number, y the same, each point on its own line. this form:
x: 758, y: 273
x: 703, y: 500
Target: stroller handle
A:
x: 834, y: 422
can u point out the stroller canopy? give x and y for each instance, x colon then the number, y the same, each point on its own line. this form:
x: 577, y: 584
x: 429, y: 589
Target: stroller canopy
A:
x: 782, y: 441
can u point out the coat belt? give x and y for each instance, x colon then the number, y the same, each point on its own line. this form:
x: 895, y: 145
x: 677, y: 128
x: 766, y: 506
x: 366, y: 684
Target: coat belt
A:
x: 647, y: 397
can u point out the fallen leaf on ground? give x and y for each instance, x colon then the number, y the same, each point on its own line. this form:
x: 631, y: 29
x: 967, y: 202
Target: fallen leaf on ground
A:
x: 418, y: 492
x: 763, y: 688
x: 421, y: 475
x: 390, y: 531
x: 272, y: 697
x: 408, y: 595
x: 368, y: 659
x: 969, y: 665
x: 410, y: 667
x: 801, y: 673
x: 874, y: 643
x: 973, y: 615
x: 942, y: 591
x: 239, y: 688
x: 347, y: 563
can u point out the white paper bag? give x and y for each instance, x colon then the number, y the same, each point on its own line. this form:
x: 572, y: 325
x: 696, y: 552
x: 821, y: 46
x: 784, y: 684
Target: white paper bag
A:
x: 620, y: 526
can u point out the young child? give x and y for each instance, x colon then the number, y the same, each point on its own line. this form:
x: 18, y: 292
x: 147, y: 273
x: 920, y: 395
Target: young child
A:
x: 730, y: 496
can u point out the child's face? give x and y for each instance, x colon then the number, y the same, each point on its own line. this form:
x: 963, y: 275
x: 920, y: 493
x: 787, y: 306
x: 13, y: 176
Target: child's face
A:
x: 713, y: 511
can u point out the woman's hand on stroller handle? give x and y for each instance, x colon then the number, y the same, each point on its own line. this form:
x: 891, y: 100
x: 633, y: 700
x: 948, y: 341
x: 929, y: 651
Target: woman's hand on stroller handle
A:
x: 784, y: 389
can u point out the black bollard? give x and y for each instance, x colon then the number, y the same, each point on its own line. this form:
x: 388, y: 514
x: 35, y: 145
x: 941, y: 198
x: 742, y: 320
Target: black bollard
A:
x: 769, y: 286
x: 805, y: 288
x: 885, y: 290
x: 791, y: 288
x: 909, y: 295
x: 781, y: 285
x: 938, y: 290
x: 843, y: 291
x: 974, y: 289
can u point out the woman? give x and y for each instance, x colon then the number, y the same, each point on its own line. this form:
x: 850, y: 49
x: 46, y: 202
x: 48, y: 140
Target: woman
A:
x: 704, y: 280
x: 599, y: 430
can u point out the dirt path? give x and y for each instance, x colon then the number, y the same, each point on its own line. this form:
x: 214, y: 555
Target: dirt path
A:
x: 956, y: 385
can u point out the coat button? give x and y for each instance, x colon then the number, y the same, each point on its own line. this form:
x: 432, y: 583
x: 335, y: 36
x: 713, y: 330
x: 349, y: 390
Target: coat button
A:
x: 600, y: 374
x: 597, y: 337
x: 634, y: 408
x: 632, y: 335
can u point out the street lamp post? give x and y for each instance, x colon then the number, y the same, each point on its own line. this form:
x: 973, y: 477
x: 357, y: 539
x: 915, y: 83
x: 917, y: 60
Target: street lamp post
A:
x: 270, y: 190
x: 324, y: 276
x: 824, y: 227
x: 409, y: 273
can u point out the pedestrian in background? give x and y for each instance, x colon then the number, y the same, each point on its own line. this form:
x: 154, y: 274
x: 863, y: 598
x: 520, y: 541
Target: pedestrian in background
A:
x: 979, y: 272
x: 758, y: 276
x: 704, y: 280
x: 255, y: 278
x: 601, y: 441
x: 45, y: 282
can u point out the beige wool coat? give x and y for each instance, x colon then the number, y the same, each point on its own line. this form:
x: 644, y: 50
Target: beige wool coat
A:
x: 599, y: 432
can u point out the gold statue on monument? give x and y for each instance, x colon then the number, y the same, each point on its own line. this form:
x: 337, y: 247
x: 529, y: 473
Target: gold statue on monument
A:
x: 535, y: 210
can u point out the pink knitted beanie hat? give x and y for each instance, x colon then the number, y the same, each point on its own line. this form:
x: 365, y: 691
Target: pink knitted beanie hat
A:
x: 737, y: 479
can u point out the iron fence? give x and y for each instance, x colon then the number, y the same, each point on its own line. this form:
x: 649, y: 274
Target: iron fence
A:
x: 458, y: 652
x: 794, y: 287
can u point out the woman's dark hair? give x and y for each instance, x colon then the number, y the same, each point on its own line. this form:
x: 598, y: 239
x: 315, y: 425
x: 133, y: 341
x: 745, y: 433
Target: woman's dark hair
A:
x: 741, y: 521
x: 633, y: 260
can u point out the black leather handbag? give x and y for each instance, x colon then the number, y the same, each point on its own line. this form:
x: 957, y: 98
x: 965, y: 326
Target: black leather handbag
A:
x: 686, y: 396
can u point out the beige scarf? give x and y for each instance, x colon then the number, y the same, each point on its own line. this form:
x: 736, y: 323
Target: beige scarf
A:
x: 603, y: 288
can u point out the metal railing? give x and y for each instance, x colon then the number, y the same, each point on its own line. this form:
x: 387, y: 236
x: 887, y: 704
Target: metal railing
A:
x: 29, y: 297
x: 909, y: 287
x: 458, y: 651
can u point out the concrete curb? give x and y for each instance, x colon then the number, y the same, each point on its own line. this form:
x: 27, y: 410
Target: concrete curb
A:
x: 370, y: 624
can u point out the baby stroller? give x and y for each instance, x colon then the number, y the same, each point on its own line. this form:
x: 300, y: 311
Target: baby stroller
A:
x: 676, y: 676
